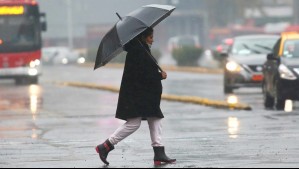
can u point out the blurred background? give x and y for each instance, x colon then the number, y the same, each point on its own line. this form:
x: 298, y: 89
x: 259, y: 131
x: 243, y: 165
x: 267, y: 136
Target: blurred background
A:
x: 80, y: 24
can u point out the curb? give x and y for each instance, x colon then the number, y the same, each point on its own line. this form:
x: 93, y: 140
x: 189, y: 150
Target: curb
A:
x: 176, y: 98
x: 168, y: 68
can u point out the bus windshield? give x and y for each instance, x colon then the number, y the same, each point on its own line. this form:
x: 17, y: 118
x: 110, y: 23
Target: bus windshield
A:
x: 19, y: 33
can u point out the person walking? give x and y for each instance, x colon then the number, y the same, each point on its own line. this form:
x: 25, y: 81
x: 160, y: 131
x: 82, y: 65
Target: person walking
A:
x: 139, y: 98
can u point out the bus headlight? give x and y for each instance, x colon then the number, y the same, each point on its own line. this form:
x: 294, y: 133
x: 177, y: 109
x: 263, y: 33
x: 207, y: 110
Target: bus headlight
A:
x: 34, y: 63
x: 37, y: 62
x: 32, y: 72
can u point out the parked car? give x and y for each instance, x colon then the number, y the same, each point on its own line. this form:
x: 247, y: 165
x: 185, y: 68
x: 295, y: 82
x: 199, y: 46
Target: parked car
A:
x: 225, y: 45
x: 281, y: 72
x: 60, y: 55
x: 182, y: 41
x: 244, y: 61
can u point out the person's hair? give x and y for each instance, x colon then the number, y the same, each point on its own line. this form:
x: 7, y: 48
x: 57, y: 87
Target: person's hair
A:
x: 148, y: 32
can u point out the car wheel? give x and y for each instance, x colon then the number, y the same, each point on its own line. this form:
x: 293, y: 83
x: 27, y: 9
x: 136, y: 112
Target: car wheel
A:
x: 33, y: 80
x: 19, y: 81
x: 228, y: 90
x: 269, y: 101
x: 26, y: 81
x: 280, y: 104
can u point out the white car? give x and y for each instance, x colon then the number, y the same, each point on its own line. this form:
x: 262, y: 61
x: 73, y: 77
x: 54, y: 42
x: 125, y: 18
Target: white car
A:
x: 60, y: 55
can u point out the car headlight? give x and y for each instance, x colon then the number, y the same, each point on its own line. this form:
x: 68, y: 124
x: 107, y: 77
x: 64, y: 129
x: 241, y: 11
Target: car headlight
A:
x: 286, y: 73
x: 65, y: 61
x: 233, y: 67
x: 81, y: 60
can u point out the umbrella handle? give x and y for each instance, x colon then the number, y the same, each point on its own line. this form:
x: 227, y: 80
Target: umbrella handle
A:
x: 159, y: 68
x: 152, y: 57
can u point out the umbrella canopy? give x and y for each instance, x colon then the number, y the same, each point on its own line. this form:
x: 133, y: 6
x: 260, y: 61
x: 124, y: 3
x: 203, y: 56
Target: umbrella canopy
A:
x: 128, y: 28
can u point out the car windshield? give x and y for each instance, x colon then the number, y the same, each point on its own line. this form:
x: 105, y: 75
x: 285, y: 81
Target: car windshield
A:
x: 244, y: 47
x: 291, y: 49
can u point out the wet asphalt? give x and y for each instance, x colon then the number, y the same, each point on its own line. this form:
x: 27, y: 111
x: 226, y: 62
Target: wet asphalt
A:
x: 48, y: 125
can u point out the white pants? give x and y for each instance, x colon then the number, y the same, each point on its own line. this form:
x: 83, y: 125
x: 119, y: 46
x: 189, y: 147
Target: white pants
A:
x: 155, y: 127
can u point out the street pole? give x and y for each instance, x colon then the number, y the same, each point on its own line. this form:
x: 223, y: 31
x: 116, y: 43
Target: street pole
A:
x: 206, y: 29
x: 204, y: 14
x: 295, y: 11
x: 70, y: 24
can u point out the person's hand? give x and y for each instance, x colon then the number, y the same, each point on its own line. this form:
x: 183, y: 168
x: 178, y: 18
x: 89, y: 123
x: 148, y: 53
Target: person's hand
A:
x: 164, y: 75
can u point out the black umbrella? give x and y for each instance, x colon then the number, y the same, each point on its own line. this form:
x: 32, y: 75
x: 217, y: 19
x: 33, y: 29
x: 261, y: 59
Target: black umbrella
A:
x: 128, y: 28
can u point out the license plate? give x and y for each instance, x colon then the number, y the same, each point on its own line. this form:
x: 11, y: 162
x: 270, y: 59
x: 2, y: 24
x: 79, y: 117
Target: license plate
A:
x: 257, y: 78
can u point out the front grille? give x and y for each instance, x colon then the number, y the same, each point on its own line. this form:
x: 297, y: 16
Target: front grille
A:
x: 256, y: 68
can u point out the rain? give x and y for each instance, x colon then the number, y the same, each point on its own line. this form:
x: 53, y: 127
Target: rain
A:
x: 229, y: 72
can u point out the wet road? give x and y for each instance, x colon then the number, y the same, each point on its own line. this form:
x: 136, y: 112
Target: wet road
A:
x: 48, y: 125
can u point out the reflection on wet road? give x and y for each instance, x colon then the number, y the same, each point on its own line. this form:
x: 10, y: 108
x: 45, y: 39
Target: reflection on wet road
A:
x: 233, y: 127
x: 22, y: 97
x: 58, y: 126
x: 17, y: 103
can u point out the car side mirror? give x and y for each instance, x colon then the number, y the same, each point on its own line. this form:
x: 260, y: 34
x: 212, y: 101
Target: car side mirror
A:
x: 271, y: 56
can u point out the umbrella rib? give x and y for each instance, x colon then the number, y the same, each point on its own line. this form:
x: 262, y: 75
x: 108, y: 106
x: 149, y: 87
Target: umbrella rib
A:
x: 112, y: 55
x: 165, y: 7
x: 137, y: 20
x: 142, y: 23
x: 157, y: 8
x: 154, y: 23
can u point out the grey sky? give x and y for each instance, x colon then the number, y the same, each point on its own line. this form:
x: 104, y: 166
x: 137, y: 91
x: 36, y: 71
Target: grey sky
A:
x: 86, y: 12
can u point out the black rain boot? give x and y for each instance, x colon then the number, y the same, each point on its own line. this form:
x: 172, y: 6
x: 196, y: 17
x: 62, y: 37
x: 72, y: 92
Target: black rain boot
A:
x: 103, y: 150
x: 160, y: 156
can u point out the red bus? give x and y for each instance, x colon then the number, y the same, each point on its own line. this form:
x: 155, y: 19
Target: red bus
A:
x: 21, y: 25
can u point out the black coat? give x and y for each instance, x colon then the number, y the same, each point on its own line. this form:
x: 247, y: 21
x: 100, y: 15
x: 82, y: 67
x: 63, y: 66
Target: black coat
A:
x: 141, y: 87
